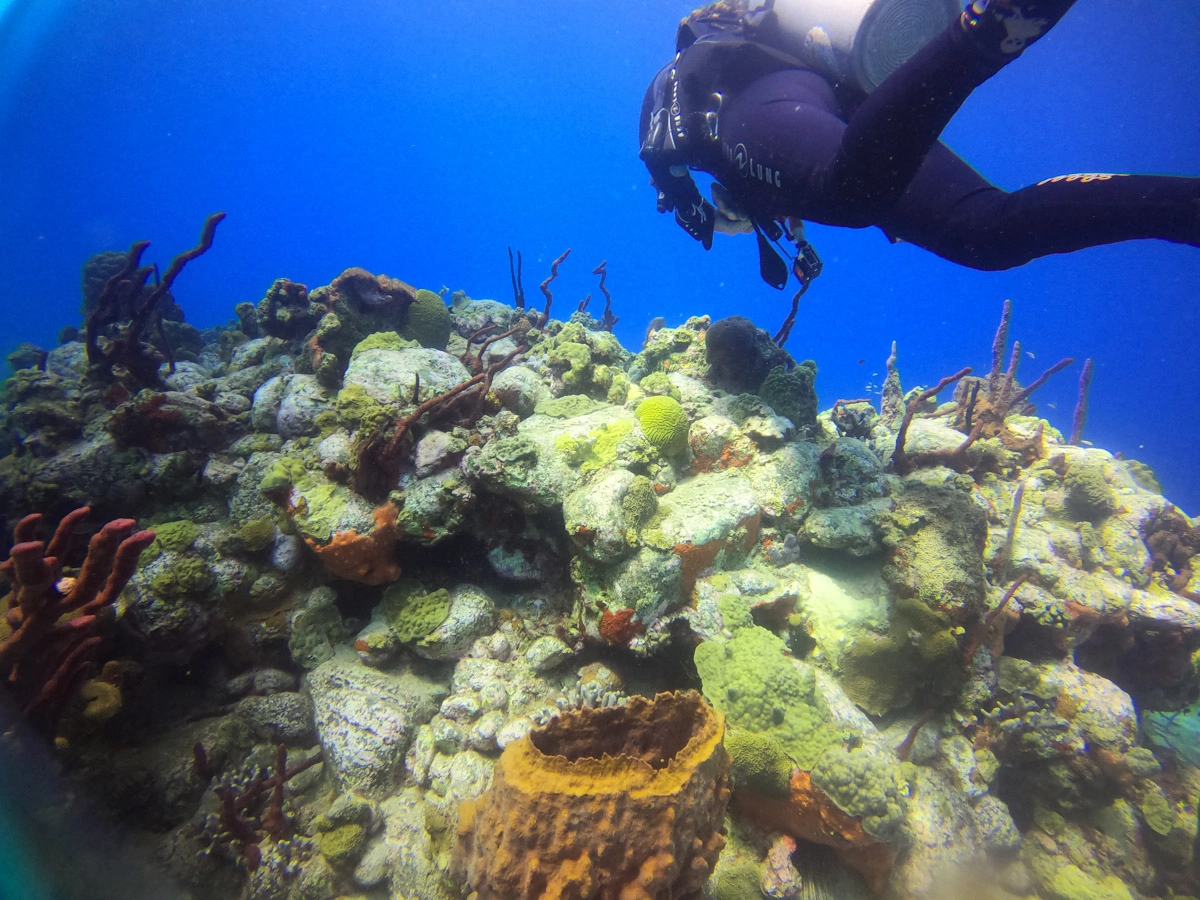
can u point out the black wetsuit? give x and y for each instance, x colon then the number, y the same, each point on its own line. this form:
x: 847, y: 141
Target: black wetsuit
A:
x: 786, y: 146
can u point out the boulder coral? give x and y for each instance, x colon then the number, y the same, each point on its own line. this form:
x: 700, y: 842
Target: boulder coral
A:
x: 625, y: 802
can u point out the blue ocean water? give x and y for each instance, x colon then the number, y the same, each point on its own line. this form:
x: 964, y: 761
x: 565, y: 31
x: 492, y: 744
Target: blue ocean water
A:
x: 422, y: 140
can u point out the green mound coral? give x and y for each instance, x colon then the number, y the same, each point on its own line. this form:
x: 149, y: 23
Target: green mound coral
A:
x: 759, y: 688
x: 411, y: 613
x: 735, y: 612
x: 177, y: 536
x: 664, y: 423
x: 1089, y: 498
x: 792, y: 393
x: 429, y: 322
x: 738, y: 880
x: 342, y: 844
x: 255, y: 535
x: 758, y: 762
x: 187, y: 575
x: 866, y: 785
x: 657, y: 384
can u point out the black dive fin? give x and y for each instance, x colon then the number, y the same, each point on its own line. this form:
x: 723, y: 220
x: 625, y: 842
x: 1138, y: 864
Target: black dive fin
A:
x: 771, y: 266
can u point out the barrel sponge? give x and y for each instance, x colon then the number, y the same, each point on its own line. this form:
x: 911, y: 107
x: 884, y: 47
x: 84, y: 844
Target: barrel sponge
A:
x: 610, y: 803
x: 428, y: 321
x: 752, y: 680
x: 664, y: 423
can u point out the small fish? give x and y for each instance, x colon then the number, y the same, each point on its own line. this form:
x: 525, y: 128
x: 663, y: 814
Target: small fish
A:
x: 1029, y: 353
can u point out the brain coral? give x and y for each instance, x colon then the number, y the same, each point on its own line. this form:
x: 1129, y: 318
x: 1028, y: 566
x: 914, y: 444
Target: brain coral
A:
x: 602, y: 804
x: 429, y: 321
x: 664, y: 423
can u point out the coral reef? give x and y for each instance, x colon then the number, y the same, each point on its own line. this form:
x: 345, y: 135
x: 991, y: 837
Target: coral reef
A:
x: 444, y: 552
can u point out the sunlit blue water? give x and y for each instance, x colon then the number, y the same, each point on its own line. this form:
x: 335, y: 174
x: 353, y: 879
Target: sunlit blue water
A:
x: 422, y: 139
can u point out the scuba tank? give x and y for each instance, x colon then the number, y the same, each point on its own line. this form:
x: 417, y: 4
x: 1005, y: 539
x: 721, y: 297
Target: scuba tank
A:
x: 852, y: 41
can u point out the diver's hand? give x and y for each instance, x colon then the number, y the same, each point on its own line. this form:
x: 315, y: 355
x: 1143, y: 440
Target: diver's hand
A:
x: 730, y: 219
x: 698, y: 219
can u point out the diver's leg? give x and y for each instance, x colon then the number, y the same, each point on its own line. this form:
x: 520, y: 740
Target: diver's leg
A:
x: 891, y: 131
x: 953, y: 211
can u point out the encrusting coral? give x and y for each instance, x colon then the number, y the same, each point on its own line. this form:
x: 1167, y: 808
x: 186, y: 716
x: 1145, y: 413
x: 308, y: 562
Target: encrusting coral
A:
x: 613, y: 804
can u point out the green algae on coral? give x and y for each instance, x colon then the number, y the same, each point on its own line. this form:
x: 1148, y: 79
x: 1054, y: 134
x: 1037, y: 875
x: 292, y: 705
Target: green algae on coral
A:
x: 596, y: 451
x: 640, y: 502
x: 1072, y: 883
x: 568, y: 406
x: 358, y: 410
x: 282, y: 474
x: 382, y: 340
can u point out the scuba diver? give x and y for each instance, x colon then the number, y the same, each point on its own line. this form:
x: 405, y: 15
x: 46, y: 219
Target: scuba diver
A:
x: 795, y: 121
